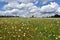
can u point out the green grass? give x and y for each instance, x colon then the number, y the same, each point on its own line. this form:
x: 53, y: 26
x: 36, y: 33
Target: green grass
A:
x: 29, y: 29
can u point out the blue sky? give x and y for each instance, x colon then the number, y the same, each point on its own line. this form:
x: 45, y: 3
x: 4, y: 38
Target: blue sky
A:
x: 39, y: 4
x: 2, y: 4
x: 27, y: 8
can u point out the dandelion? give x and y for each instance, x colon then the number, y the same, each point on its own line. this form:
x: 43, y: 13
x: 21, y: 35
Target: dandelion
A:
x: 14, y: 36
x: 19, y: 29
x: 5, y: 28
x: 18, y: 35
x: 12, y: 27
x: 27, y: 28
x: 54, y: 35
x: 49, y: 35
x: 58, y: 36
x: 0, y: 37
x: 9, y: 33
x: 24, y: 34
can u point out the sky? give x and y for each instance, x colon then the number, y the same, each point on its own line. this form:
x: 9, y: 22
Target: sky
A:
x: 28, y: 8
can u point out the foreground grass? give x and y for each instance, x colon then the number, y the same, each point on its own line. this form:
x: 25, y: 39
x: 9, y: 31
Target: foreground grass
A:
x: 29, y: 29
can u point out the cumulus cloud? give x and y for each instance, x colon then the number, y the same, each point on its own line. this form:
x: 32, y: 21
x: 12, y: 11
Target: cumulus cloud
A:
x: 22, y: 1
x: 27, y: 1
x: 58, y: 11
x: 45, y: 1
x: 20, y: 9
x: 29, y: 10
x: 50, y: 7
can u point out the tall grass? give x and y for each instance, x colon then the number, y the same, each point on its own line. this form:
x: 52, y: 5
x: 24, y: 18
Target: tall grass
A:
x: 29, y: 29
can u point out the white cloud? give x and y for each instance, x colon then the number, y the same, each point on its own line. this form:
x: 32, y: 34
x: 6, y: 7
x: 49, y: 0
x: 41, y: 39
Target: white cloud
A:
x: 23, y: 1
x: 11, y: 6
x: 27, y: 1
x: 58, y: 11
x: 50, y: 7
x: 29, y: 9
x: 22, y: 9
x: 17, y: 6
x: 45, y: 1
x: 8, y: 0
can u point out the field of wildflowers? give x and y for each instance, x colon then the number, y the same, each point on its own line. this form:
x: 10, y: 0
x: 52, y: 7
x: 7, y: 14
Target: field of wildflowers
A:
x: 29, y: 29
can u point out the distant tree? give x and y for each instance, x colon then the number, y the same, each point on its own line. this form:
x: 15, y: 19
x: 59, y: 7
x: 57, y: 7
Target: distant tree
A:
x: 32, y: 16
x: 56, y: 16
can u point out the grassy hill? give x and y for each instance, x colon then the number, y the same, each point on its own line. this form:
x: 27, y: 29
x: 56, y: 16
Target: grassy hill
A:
x: 29, y: 29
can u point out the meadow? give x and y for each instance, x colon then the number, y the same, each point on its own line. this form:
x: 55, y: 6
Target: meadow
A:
x: 29, y: 29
